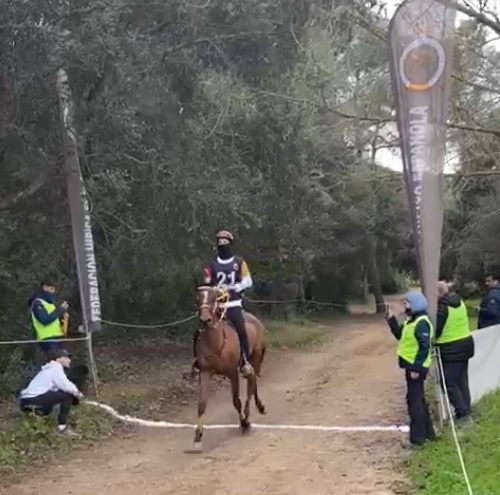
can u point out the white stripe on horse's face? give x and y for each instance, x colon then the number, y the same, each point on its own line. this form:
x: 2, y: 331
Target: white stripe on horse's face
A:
x: 205, y: 297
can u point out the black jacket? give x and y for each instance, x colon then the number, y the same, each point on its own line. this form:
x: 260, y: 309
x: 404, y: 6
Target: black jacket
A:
x: 489, y: 310
x: 460, y: 350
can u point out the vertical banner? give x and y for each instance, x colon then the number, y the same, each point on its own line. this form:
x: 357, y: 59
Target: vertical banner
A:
x: 421, y: 40
x: 83, y: 240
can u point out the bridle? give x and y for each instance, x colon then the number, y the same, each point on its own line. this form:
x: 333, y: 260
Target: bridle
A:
x: 221, y: 298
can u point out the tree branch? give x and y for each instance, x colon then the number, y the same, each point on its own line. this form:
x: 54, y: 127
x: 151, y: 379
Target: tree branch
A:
x: 461, y: 127
x: 478, y: 16
x: 220, y: 37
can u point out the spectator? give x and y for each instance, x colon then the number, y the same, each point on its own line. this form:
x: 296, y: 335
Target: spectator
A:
x: 414, y: 355
x: 49, y: 388
x: 456, y: 346
x: 45, y: 317
x: 489, y: 310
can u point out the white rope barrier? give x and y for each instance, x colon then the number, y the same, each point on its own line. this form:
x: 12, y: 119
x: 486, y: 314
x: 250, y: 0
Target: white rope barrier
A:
x: 155, y: 325
x: 19, y: 342
x: 453, y: 426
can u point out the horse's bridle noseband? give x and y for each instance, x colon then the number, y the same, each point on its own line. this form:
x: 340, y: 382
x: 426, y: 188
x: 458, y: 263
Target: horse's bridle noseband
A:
x: 222, y: 297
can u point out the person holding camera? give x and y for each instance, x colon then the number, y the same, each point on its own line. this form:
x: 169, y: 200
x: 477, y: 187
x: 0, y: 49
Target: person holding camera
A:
x: 414, y: 337
x: 47, y: 318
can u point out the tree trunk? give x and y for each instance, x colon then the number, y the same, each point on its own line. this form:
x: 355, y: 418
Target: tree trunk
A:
x: 374, y: 277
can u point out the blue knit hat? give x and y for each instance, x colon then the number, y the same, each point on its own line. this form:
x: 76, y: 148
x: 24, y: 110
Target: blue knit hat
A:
x: 417, y: 301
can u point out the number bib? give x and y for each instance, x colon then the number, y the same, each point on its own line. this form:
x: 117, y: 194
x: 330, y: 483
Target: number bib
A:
x: 227, y: 274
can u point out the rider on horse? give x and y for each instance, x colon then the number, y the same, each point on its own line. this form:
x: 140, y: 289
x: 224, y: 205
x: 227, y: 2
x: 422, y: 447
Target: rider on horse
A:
x: 231, y: 273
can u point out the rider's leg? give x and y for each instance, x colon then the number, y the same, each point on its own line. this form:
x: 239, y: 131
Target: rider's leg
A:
x: 195, y: 340
x: 235, y: 316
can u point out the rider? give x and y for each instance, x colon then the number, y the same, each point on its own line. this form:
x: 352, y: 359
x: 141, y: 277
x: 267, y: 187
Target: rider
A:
x: 232, y: 274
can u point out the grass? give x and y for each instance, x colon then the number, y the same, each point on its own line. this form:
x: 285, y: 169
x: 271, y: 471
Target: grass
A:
x: 31, y: 439
x: 435, y: 469
x: 298, y: 332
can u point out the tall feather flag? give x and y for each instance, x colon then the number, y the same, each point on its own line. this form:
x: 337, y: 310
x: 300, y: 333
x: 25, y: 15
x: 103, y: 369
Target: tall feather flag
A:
x: 421, y: 40
x: 83, y: 240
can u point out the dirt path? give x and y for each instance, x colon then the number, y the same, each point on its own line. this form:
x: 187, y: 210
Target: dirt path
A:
x: 352, y: 380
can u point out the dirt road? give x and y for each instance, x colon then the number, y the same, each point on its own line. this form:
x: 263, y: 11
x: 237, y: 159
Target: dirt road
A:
x: 352, y: 380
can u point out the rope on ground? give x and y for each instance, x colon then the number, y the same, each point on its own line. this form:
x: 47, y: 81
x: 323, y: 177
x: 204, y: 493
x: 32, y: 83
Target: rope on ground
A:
x: 17, y: 342
x: 453, y: 426
x: 156, y: 325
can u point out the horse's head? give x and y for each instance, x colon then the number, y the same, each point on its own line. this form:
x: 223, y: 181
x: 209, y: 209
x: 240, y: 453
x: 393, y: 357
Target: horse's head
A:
x: 208, y: 303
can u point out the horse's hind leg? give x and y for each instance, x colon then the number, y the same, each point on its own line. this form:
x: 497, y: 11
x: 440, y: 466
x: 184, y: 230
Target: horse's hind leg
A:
x: 257, y: 360
x: 204, y: 384
x: 260, y: 406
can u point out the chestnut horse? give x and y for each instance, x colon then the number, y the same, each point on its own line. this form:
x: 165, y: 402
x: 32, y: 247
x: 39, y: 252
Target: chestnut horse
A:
x: 218, y: 351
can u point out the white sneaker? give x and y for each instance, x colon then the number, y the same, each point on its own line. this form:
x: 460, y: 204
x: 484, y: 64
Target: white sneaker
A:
x: 67, y: 432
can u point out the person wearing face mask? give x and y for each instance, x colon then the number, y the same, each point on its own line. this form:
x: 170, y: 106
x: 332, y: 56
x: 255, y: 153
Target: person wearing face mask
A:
x: 414, y: 337
x: 232, y: 274
x: 46, y: 315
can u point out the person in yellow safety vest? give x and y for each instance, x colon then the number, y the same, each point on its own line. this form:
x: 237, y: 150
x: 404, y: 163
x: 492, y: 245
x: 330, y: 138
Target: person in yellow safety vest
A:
x: 456, y: 347
x: 414, y: 355
x: 46, y: 316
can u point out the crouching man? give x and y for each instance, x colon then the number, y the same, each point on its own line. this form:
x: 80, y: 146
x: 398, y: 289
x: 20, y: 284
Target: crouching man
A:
x: 50, y: 388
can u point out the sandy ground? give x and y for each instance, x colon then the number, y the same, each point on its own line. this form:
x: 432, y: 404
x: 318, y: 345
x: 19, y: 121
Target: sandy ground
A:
x: 351, y: 380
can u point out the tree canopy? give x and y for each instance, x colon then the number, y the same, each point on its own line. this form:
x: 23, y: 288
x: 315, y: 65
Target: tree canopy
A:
x: 265, y: 117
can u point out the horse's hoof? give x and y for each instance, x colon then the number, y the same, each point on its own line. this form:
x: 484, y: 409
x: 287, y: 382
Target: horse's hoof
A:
x: 261, y: 409
x: 197, y: 447
x: 245, y: 426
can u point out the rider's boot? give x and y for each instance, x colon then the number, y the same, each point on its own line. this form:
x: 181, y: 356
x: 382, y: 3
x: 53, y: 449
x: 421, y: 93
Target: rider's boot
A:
x: 246, y: 368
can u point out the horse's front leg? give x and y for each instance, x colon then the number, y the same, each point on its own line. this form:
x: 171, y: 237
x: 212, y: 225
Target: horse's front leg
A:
x: 235, y: 391
x: 204, y: 384
x: 251, y: 391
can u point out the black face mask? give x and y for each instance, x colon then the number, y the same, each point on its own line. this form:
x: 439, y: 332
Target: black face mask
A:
x: 224, y: 252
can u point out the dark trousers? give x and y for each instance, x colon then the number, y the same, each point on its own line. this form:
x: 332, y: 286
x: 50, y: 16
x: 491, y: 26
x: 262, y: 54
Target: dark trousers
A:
x: 48, y: 346
x: 42, y: 405
x: 421, y: 428
x: 235, y: 316
x: 456, y: 375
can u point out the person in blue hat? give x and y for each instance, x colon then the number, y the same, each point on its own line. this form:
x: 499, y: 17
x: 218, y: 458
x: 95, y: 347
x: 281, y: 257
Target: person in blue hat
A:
x: 414, y: 337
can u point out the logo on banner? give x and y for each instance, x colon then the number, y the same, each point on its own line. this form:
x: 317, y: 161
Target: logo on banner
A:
x: 422, y: 64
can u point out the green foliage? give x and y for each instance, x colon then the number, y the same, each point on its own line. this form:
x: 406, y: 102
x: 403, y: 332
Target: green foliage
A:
x: 31, y: 438
x: 435, y: 469
x: 191, y: 119
x: 296, y: 333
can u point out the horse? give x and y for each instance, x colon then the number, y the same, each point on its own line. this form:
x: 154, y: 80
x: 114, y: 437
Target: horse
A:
x: 218, y: 351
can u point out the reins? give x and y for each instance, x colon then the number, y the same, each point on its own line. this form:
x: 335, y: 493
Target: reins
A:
x: 221, y: 298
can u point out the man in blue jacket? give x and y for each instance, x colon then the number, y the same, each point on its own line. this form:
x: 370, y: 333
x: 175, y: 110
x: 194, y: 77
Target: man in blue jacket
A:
x: 414, y: 356
x: 489, y: 310
x: 45, y: 316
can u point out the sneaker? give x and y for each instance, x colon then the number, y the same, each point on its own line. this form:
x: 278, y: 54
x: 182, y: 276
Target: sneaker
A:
x: 68, y: 433
x: 407, y: 445
x: 465, y: 422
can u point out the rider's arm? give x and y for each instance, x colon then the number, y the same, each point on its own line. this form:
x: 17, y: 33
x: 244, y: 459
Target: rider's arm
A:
x: 207, y: 275
x: 246, y: 278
